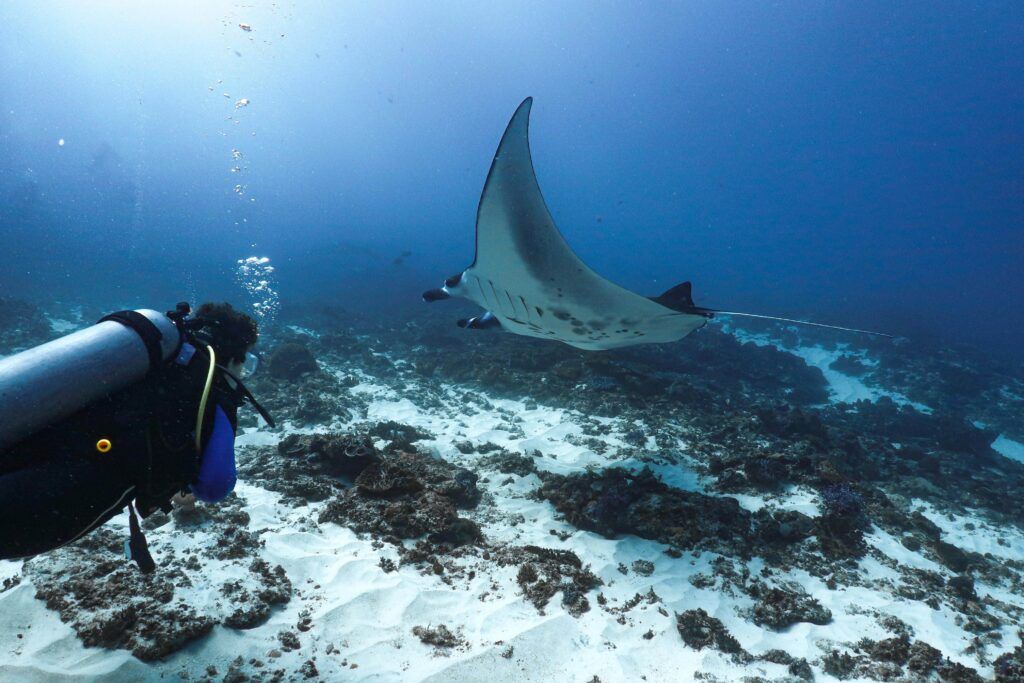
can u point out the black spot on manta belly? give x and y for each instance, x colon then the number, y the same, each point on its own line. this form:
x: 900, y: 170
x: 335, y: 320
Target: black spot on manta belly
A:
x: 561, y: 314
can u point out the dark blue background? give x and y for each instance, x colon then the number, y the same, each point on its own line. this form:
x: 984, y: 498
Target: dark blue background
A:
x: 856, y: 163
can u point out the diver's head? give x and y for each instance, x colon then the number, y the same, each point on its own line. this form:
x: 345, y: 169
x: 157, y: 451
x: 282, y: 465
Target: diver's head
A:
x: 230, y: 332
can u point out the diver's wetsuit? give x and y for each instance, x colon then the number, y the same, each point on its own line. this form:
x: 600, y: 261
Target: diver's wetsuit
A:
x: 56, y: 486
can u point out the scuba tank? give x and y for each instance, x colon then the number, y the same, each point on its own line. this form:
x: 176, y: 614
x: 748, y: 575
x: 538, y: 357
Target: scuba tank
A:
x: 48, y: 383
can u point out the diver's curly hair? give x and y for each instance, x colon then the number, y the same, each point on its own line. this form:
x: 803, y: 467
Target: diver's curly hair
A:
x: 230, y: 332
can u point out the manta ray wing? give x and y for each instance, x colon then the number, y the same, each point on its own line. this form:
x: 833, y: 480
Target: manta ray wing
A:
x: 526, y: 274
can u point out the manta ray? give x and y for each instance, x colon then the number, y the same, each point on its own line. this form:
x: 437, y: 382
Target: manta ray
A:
x: 533, y: 284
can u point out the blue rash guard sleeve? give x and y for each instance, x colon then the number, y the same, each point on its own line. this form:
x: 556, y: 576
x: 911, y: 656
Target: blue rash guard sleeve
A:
x: 217, y: 470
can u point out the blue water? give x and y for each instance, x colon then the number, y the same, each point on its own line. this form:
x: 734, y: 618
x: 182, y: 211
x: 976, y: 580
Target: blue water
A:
x: 858, y: 163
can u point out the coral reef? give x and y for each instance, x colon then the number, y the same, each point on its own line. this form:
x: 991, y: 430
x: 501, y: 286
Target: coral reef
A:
x: 290, y: 361
x: 615, y: 501
x: 110, y: 604
x: 406, y: 496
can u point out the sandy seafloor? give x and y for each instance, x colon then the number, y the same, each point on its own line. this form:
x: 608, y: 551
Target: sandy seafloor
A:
x: 361, y: 616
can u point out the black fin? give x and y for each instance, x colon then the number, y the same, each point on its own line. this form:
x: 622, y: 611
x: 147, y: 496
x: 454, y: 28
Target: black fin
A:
x: 484, y: 321
x: 137, y: 547
x: 435, y: 295
x: 679, y: 298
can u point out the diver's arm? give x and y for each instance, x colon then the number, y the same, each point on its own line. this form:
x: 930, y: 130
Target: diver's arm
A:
x: 217, y: 472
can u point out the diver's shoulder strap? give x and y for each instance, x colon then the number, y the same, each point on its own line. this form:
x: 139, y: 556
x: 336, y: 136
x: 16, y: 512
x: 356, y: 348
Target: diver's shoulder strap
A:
x: 148, y: 332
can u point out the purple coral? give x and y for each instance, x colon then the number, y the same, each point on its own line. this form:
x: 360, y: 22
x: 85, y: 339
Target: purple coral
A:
x: 840, y: 500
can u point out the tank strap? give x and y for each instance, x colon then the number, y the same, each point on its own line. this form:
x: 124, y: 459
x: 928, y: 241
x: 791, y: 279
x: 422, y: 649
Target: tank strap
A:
x: 148, y: 332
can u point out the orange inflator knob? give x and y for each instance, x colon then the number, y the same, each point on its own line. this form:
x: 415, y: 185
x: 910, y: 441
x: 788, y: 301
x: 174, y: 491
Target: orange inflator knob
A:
x: 104, y: 445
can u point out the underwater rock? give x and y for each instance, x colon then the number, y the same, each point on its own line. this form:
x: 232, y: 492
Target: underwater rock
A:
x: 1010, y: 666
x: 313, y: 409
x: 22, y: 326
x: 783, y: 526
x: 643, y: 567
x: 838, y: 664
x: 339, y: 455
x: 253, y: 608
x: 408, y: 495
x: 849, y: 365
x: 952, y: 556
x: 290, y: 361
x: 460, y: 532
x: 385, y: 479
x: 615, y: 501
x: 779, y: 607
x: 401, y: 436
x: 110, y: 604
x: 962, y: 586
x: 509, y: 463
x: 793, y: 424
x: 307, y: 467
x: 315, y: 399
x: 543, y: 572
x: 938, y: 457
x: 840, y: 528
x: 699, y: 630
x: 898, y: 658
x: 439, y: 636
x: 801, y: 669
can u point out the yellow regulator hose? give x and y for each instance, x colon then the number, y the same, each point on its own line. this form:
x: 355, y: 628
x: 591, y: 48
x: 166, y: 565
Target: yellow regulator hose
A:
x: 202, y: 401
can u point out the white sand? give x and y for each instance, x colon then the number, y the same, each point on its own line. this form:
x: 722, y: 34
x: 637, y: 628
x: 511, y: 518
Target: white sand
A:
x: 843, y: 388
x: 1014, y: 450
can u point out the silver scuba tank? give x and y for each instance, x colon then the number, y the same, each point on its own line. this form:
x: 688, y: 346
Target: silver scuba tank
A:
x: 45, y: 384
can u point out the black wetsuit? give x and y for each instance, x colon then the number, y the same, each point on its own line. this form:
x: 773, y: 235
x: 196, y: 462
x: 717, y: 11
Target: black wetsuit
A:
x: 56, y: 486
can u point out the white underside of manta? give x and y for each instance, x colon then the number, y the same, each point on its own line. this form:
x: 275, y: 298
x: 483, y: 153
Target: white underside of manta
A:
x: 526, y: 275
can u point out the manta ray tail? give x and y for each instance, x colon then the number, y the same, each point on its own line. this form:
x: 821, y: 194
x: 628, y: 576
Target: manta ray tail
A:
x: 680, y: 298
x: 798, y: 322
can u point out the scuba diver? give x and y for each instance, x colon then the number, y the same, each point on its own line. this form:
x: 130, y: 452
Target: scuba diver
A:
x: 133, y: 412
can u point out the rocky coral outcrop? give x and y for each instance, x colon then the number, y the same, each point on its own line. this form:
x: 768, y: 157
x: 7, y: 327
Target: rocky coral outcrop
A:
x: 781, y: 606
x: 109, y: 603
x: 700, y: 630
x: 308, y: 467
x: 290, y: 361
x: 440, y: 637
x: 544, y: 572
x: 899, y: 658
x: 406, y: 496
x: 616, y: 501
x: 1010, y: 666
